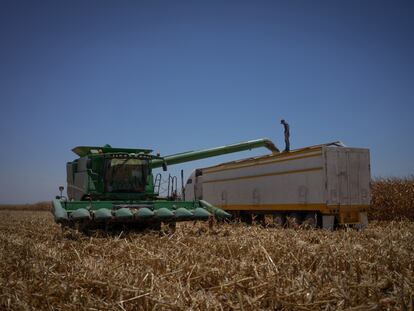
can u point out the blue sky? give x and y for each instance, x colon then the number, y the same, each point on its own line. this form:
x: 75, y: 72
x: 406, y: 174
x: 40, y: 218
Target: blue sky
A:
x: 175, y: 76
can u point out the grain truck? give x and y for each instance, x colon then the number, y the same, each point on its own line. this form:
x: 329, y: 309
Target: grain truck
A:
x: 323, y: 185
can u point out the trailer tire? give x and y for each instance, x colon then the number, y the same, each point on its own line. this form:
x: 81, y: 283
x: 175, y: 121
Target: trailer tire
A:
x: 279, y: 219
x: 311, y: 220
x: 259, y: 219
x: 294, y: 220
x: 246, y: 217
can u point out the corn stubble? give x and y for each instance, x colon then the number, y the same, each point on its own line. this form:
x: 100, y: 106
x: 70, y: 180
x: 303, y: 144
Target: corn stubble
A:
x: 392, y: 199
x: 40, y: 206
x: 231, y: 266
x: 228, y: 267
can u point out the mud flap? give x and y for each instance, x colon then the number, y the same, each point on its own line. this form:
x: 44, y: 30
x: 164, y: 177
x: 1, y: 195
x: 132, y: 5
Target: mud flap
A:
x: 328, y: 222
x: 363, y: 216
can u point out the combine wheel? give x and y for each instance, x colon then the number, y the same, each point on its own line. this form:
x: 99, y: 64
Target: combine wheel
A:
x: 82, y: 226
x: 172, y: 226
x: 167, y: 228
x: 156, y: 226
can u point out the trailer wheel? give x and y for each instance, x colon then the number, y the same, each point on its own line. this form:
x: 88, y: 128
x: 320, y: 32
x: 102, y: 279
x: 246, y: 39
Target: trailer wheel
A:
x: 311, y: 220
x: 294, y: 220
x: 259, y: 219
x: 246, y: 218
x: 279, y: 219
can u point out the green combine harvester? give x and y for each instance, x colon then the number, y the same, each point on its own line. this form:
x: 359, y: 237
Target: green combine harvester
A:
x: 110, y: 187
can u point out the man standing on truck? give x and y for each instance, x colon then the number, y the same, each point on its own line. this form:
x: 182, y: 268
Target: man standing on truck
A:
x: 287, y: 134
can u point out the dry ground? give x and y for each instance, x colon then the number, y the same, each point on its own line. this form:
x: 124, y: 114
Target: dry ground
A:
x: 229, y: 267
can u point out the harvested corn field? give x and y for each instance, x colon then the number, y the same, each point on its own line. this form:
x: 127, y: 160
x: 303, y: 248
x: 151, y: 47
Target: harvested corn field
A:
x: 228, y: 267
x: 40, y: 206
x: 392, y: 199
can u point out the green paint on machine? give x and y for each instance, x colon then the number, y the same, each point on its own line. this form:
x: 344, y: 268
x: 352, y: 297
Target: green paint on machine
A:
x: 116, y: 186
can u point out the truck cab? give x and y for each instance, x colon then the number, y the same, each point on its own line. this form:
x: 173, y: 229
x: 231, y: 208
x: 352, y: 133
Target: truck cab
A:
x: 194, y: 186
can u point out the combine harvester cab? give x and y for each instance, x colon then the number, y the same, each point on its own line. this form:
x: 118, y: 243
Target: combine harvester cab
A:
x: 110, y: 187
x: 323, y: 185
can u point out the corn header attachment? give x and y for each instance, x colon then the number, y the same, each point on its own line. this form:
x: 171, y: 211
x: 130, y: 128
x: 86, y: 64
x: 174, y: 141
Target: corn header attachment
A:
x: 115, y: 187
x: 104, y: 214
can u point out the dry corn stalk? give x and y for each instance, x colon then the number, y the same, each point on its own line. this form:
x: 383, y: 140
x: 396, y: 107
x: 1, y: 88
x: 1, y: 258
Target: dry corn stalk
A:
x: 392, y: 199
x: 231, y: 266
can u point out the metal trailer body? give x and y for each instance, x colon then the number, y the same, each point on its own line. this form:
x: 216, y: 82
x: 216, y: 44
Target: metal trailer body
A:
x: 328, y: 183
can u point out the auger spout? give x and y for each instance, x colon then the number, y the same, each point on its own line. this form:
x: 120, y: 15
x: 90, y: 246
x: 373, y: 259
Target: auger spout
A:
x: 212, y: 152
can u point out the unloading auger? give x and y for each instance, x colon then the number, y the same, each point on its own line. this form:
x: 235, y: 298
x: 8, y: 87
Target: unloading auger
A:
x: 115, y: 186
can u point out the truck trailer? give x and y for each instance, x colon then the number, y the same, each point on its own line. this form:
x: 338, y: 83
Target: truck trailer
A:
x: 323, y: 185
